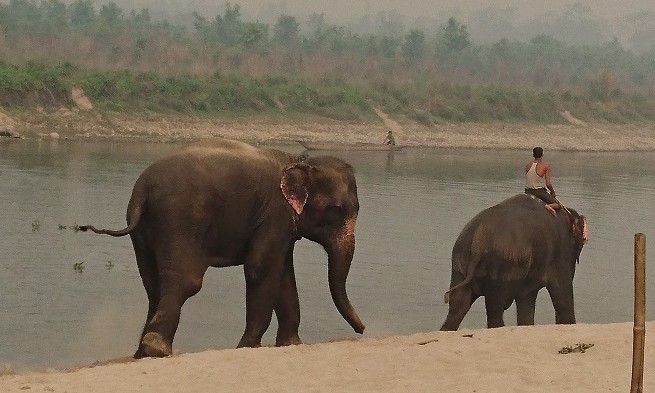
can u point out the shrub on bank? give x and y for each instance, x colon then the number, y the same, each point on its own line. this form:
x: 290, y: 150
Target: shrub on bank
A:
x: 48, y: 84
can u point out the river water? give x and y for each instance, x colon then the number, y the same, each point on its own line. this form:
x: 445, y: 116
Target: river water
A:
x: 413, y: 205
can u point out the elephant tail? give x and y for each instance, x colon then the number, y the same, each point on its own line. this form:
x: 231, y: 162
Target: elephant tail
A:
x: 473, y: 261
x: 110, y: 232
x: 134, y: 210
x: 467, y: 279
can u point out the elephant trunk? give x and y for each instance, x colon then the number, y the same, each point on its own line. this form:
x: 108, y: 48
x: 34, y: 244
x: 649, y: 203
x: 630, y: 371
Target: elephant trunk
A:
x: 340, y: 255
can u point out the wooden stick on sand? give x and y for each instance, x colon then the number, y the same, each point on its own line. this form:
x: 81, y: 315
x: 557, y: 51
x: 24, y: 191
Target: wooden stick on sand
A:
x: 639, y: 330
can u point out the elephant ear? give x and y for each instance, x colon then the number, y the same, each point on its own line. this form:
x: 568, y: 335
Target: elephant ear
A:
x: 580, y: 230
x: 580, y: 234
x: 295, y: 185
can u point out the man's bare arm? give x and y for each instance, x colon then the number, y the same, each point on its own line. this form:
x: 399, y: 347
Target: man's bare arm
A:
x: 549, y: 184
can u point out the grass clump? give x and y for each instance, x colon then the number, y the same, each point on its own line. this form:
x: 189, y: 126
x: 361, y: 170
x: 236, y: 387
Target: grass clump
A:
x: 426, y: 101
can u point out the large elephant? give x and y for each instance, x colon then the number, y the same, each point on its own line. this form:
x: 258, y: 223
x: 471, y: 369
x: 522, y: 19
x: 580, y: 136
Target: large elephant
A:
x: 226, y: 203
x: 510, y: 251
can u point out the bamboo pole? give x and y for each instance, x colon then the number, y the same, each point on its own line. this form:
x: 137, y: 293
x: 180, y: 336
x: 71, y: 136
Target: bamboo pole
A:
x: 639, y: 329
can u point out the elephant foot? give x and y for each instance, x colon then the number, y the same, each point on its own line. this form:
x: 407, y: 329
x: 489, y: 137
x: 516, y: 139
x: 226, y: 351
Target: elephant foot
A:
x: 246, y: 343
x: 155, y: 346
x: 293, y: 340
x: 140, y: 353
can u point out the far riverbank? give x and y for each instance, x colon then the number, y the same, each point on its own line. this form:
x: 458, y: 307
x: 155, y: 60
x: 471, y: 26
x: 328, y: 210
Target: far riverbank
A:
x: 576, y: 137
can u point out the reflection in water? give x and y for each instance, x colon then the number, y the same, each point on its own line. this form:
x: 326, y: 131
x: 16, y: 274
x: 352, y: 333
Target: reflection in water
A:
x: 390, y: 156
x: 413, y: 202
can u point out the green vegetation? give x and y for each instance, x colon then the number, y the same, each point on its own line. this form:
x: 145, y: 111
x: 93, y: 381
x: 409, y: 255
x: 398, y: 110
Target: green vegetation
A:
x: 226, y: 66
x: 432, y: 101
x: 74, y: 227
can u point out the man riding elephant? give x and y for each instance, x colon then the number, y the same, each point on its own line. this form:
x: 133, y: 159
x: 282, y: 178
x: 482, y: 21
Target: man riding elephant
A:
x: 537, y: 180
x: 507, y: 253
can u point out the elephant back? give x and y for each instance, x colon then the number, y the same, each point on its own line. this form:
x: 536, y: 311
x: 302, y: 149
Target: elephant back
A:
x: 512, y: 231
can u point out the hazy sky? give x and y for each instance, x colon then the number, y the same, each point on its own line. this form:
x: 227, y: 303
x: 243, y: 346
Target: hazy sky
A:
x: 523, y: 20
x: 349, y: 9
x: 414, y: 8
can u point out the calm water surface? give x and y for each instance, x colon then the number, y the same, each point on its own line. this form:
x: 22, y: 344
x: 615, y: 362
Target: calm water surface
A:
x: 413, y: 205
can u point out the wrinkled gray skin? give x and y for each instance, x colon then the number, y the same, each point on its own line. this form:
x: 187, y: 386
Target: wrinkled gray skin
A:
x: 225, y: 203
x: 510, y: 251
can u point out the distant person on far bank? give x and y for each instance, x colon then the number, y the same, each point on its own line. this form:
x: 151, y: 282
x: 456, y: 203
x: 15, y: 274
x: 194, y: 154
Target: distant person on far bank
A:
x: 537, y: 180
x: 389, y: 139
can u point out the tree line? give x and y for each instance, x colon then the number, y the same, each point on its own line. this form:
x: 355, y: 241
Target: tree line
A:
x: 441, y: 67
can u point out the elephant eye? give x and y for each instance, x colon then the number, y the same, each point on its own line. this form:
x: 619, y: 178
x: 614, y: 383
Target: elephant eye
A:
x: 336, y: 209
x: 334, y: 212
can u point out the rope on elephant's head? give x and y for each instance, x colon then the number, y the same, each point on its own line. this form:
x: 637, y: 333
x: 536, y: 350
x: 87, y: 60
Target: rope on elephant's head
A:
x: 302, y: 158
x: 563, y: 207
x: 584, y: 231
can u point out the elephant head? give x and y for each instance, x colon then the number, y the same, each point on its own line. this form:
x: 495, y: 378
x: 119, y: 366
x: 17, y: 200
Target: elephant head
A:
x: 323, y: 194
x: 579, y: 231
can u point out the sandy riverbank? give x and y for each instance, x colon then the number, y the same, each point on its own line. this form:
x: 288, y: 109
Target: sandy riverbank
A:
x: 511, y: 359
x: 570, y: 136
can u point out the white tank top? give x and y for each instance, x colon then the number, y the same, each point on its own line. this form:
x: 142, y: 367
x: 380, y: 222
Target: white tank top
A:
x: 532, y: 180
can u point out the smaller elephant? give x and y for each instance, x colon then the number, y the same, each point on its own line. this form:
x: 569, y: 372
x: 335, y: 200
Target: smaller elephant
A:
x: 510, y: 251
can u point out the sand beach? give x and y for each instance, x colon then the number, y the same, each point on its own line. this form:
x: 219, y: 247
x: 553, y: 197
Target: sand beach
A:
x: 543, y: 358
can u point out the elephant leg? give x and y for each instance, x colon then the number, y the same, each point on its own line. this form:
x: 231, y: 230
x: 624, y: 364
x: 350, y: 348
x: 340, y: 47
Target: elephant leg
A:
x: 525, y: 306
x: 496, y: 300
x: 494, y: 314
x: 152, y: 309
x: 263, y: 269
x: 562, y: 298
x: 149, y: 277
x: 260, y: 300
x: 459, y: 304
x: 287, y: 308
x: 181, y: 280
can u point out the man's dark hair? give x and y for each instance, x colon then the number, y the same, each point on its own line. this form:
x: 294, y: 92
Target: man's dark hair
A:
x: 537, y: 152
